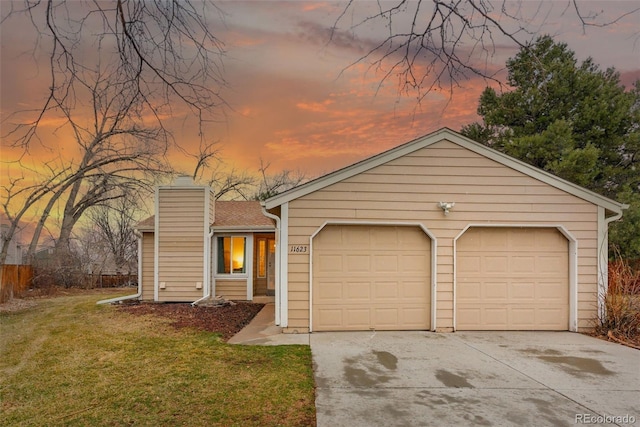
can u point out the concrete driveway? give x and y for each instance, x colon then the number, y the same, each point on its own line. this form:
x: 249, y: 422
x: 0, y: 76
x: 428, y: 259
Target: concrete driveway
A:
x: 473, y: 378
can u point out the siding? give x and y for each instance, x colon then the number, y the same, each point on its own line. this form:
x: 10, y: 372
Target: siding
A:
x: 232, y: 289
x: 148, y: 247
x: 409, y: 189
x: 181, y: 236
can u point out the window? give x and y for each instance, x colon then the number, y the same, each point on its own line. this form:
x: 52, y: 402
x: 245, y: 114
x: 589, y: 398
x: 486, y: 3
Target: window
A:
x: 231, y: 255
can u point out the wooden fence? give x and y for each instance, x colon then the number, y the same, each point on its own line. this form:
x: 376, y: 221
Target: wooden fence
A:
x: 113, y: 280
x: 15, y: 281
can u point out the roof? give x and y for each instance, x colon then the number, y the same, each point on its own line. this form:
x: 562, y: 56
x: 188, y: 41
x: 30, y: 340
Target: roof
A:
x: 229, y: 215
x: 432, y: 138
x: 240, y: 214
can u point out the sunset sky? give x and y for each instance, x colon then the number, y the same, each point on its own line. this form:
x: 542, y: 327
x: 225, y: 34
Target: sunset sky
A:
x: 297, y: 104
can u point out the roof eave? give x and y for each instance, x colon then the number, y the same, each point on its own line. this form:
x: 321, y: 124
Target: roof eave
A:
x: 241, y: 228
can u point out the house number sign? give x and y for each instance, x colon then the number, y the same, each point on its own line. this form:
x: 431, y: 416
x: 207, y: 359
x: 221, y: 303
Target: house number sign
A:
x: 298, y: 249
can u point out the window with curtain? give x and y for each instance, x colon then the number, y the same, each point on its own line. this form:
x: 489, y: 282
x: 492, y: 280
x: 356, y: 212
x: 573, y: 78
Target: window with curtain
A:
x: 231, y: 255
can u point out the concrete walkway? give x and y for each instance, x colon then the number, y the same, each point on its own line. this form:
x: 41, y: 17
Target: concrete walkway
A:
x: 262, y: 330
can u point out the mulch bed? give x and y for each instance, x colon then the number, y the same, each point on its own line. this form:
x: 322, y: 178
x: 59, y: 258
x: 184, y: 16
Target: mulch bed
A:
x: 226, y: 320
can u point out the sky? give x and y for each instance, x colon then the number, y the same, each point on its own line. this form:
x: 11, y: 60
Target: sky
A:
x: 299, y: 100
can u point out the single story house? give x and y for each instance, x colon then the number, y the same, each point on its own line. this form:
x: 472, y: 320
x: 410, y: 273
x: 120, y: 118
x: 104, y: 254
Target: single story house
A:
x: 441, y: 233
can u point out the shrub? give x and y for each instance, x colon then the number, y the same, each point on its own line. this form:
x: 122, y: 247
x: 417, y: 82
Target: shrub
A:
x: 621, y: 308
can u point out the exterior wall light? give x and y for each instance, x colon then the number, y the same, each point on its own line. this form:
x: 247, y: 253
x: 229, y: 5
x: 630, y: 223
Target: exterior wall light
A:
x: 446, y: 206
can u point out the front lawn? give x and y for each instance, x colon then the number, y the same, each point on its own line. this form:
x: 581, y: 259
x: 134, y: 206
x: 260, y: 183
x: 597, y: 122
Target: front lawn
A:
x: 67, y: 361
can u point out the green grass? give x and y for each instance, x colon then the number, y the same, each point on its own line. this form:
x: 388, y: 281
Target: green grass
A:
x: 70, y: 362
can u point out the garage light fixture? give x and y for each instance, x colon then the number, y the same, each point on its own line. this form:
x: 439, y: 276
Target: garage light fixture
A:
x: 446, y: 206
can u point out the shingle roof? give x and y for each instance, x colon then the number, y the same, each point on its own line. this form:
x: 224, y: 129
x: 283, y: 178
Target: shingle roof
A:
x: 240, y: 214
x: 147, y: 224
x: 231, y: 214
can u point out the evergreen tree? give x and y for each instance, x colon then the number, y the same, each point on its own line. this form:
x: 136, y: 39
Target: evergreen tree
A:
x: 573, y: 120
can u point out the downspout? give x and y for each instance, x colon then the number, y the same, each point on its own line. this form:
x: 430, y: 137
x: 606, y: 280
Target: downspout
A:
x: 207, y: 278
x: 139, y: 294
x: 277, y: 278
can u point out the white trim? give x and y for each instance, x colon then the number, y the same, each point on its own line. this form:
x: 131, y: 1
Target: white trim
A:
x: 248, y: 254
x: 156, y: 246
x: 206, y: 232
x: 603, y: 258
x: 432, y: 138
x: 425, y: 230
x: 242, y: 229
x: 277, y: 261
x: 284, y: 265
x: 573, y: 265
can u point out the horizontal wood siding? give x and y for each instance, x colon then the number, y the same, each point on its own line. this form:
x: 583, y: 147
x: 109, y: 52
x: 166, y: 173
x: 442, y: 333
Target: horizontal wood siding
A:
x: 231, y: 289
x: 181, y: 234
x: 147, y: 266
x: 409, y: 188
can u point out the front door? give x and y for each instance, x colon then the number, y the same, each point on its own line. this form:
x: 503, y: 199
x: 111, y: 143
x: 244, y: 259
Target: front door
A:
x: 271, y: 267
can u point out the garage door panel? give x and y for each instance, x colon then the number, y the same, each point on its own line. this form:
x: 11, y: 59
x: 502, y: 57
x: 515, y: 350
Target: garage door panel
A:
x: 355, y: 292
x: 522, y: 291
x: 385, y: 263
x: 512, y: 279
x: 358, y: 236
x: 331, y: 291
x: 330, y: 263
x: 384, y: 284
x: 386, y: 290
x: 330, y: 317
x: 522, y: 264
x: 358, y: 263
x: 414, y: 290
x: 357, y: 317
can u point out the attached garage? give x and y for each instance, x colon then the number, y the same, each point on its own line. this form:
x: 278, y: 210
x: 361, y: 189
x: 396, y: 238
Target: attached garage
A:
x: 512, y: 278
x: 371, y: 277
x: 508, y: 246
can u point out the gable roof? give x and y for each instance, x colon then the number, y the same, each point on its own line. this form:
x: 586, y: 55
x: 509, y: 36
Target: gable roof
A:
x: 432, y: 138
x: 230, y: 216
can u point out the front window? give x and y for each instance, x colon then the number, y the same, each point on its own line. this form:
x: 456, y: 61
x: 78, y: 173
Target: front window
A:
x: 231, y: 255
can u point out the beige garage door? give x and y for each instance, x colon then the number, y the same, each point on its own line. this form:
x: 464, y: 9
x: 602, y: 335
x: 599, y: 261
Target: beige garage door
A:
x: 512, y: 279
x: 371, y: 277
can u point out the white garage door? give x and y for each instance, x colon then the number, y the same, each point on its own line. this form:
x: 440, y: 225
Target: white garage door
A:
x: 371, y: 277
x: 512, y: 279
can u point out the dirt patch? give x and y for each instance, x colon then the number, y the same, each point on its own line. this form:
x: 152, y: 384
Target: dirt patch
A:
x: 225, y: 320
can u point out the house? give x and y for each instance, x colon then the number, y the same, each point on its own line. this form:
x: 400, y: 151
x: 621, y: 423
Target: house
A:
x: 14, y: 251
x: 441, y: 233
x: 195, y: 247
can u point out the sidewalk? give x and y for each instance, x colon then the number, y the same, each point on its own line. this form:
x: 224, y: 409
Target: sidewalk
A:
x: 262, y: 330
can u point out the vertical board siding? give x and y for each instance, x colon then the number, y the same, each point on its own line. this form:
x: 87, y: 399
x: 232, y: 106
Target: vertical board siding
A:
x: 409, y: 188
x: 148, y: 246
x: 181, y: 219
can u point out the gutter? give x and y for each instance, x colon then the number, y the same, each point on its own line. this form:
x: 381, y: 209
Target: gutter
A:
x: 207, y: 278
x: 139, y: 294
x: 277, y: 269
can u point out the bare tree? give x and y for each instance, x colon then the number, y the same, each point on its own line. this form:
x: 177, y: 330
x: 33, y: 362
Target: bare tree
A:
x: 435, y: 44
x: 272, y: 184
x: 117, y: 153
x: 113, y: 223
x: 118, y: 71
x: 166, y: 48
x: 27, y: 195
